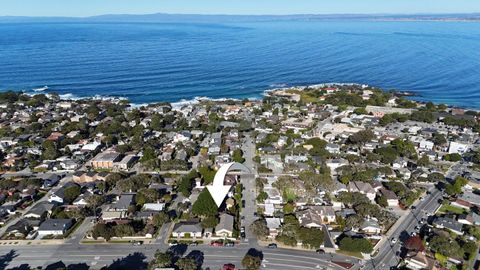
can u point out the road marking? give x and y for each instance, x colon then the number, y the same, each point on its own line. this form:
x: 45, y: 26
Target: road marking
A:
x: 289, y: 266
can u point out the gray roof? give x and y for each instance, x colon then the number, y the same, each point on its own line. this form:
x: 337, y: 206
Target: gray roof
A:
x: 124, y: 201
x: 187, y: 227
x: 55, y: 224
x: 107, y: 156
x: 226, y: 223
x: 448, y: 223
x: 40, y: 208
x: 61, y: 191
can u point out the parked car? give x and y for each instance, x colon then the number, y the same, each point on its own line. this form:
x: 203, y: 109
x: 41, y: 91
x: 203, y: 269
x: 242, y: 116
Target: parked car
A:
x: 320, y: 251
x: 228, y: 266
x: 216, y: 244
x: 229, y: 244
x: 137, y: 243
x: 272, y: 246
x: 193, y: 244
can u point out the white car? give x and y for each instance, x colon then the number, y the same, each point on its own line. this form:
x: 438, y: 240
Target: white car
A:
x: 394, y: 240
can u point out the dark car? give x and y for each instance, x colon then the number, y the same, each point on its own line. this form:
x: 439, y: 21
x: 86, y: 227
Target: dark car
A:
x: 320, y: 251
x: 272, y: 246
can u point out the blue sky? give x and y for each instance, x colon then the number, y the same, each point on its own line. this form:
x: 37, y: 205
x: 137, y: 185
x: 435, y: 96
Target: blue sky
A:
x: 96, y: 7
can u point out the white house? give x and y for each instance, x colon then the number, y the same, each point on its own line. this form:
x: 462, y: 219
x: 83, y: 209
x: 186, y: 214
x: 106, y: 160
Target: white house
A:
x: 54, y: 227
x: 426, y: 145
x: 456, y: 147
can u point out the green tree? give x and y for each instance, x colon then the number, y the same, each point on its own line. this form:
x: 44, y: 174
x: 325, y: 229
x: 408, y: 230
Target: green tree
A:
x: 423, y: 161
x: 251, y: 262
x: 310, y: 237
x: 237, y: 156
x: 186, y: 264
x: 148, y: 154
x: 102, y: 230
x: 454, y: 157
x: 356, y: 245
x: 50, y: 151
x: 259, y: 228
x: 207, y: 174
x: 186, y: 183
x: 209, y: 222
x: 71, y: 193
x: 160, y: 219
x: 146, y: 195
x: 361, y: 137
x: 445, y: 246
x: 161, y: 260
x: 204, y: 205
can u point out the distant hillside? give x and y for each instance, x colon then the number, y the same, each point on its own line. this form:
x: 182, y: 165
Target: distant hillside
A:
x: 162, y: 17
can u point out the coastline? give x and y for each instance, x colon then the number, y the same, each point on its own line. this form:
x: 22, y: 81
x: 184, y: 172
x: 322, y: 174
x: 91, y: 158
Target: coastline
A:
x: 411, y: 95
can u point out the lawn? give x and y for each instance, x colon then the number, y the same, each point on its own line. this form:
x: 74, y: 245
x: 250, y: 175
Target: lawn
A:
x: 452, y: 209
x: 350, y: 253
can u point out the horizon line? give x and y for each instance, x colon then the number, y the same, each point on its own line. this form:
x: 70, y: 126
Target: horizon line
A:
x: 252, y: 15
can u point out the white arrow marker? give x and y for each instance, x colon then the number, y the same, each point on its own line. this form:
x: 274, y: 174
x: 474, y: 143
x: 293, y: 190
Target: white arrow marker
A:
x: 217, y: 189
x: 218, y: 192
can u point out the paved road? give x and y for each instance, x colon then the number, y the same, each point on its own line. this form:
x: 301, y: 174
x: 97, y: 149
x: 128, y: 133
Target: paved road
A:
x: 387, y: 255
x: 97, y: 256
x: 249, y: 193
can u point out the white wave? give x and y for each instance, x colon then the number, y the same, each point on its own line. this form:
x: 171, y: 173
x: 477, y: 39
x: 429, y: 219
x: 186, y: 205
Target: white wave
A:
x: 40, y: 89
x: 189, y: 102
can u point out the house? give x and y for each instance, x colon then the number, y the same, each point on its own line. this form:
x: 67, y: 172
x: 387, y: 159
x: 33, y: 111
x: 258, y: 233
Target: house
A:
x: 90, y: 147
x: 59, y: 195
x: 273, y: 162
x: 456, y: 147
x: 105, y: 160
x: 273, y: 225
x: 225, y: 226
x: 154, y: 207
x: 448, y: 223
x: 81, y: 201
x: 126, y: 163
x: 315, y: 216
x: 123, y: 202
x: 187, y: 229
x: 465, y: 219
x: 50, y: 180
x: 467, y: 200
x: 215, y: 143
x: 371, y: 227
x: 334, y: 164
x: 425, y: 145
x: 332, y: 148
x: 390, y: 196
x: 40, y: 210
x: 22, y: 228
x: 55, y: 136
x: 399, y: 163
x: 113, y: 215
x: 419, y: 262
x: 54, y: 227
x: 363, y: 188
x: 182, y: 136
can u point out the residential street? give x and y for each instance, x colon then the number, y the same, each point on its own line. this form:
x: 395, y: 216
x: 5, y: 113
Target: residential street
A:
x: 387, y: 251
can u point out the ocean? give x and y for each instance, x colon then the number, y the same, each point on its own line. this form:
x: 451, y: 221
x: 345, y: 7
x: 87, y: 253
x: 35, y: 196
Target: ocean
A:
x: 150, y: 62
